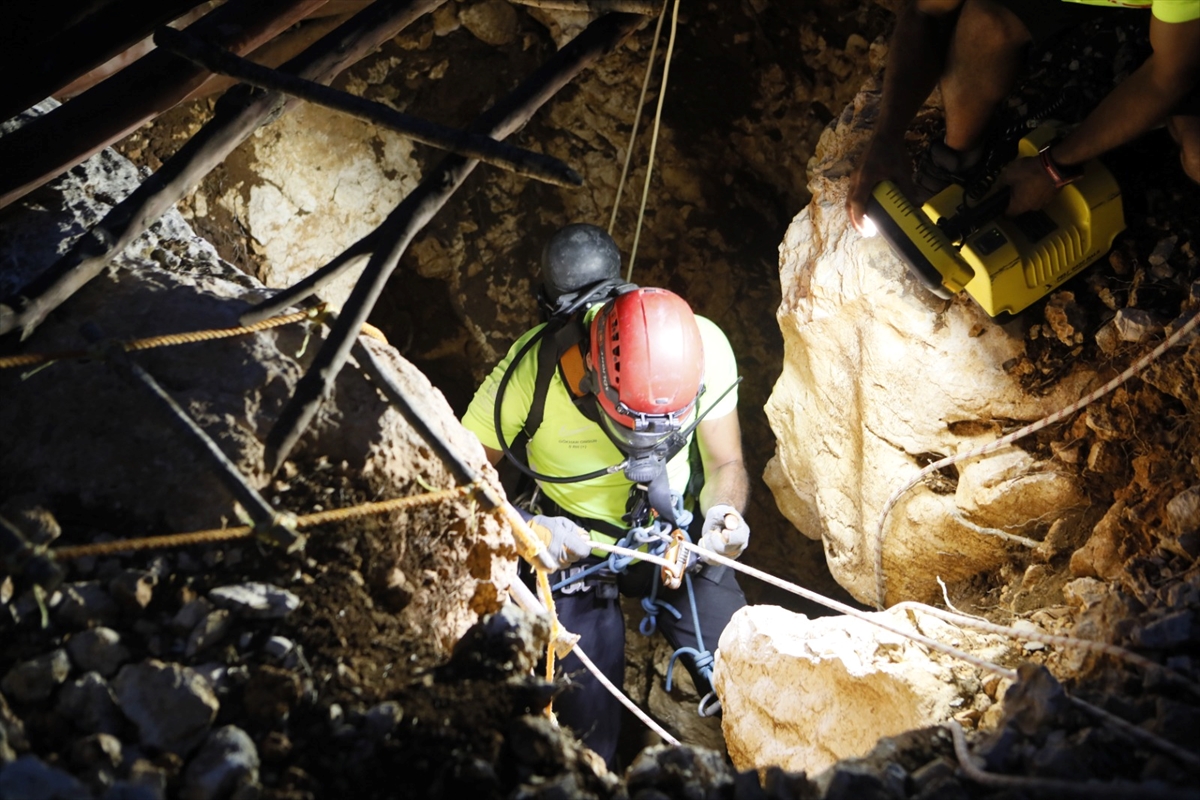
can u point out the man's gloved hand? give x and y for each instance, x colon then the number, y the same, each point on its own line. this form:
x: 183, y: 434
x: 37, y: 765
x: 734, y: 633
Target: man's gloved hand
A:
x: 565, y: 541
x: 725, y: 532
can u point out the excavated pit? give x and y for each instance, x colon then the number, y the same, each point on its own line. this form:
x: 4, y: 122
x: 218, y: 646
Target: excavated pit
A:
x: 365, y: 688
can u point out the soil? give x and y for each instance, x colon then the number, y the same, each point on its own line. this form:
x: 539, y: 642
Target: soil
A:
x: 324, y: 726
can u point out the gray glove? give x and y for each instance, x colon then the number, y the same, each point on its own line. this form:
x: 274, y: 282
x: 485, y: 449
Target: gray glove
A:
x: 725, y: 532
x: 565, y: 541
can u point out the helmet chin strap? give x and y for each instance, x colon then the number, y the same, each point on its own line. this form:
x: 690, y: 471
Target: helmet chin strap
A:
x: 651, y: 472
x: 648, y: 466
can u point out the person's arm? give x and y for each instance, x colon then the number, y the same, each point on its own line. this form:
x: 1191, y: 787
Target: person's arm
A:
x: 1135, y: 106
x: 726, y: 487
x: 493, y: 456
x: 725, y: 479
x: 916, y: 57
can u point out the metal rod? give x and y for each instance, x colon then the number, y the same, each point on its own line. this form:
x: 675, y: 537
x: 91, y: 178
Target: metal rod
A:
x: 46, y: 67
x: 238, y: 114
x: 49, y: 145
x: 473, y: 145
x: 415, y: 211
x: 267, y: 520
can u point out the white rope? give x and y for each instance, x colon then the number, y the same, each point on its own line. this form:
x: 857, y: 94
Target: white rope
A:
x: 1053, y: 639
x: 637, y: 554
x: 662, y: 93
x: 1048, y: 786
x: 526, y: 599
x: 1004, y: 441
x: 1142, y: 735
x: 625, y: 701
x: 612, y: 221
x: 850, y: 611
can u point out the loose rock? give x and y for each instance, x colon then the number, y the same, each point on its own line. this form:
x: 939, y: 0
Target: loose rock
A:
x: 98, y: 650
x: 227, y: 762
x: 88, y: 702
x: 255, y: 600
x: 170, y: 704
x: 34, y: 680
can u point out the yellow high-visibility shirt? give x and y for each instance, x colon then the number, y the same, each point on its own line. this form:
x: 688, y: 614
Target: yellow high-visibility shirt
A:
x: 568, y: 443
x: 1166, y: 10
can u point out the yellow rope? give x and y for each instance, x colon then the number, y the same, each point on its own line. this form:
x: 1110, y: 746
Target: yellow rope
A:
x: 244, y: 531
x: 168, y: 340
x: 543, y: 583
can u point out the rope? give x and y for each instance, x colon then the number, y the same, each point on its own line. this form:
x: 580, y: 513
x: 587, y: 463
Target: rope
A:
x: 870, y: 617
x: 1047, y: 786
x: 169, y: 340
x: 662, y: 93
x: 612, y: 220
x: 244, y: 531
x: 1004, y: 441
x: 1140, y: 734
x: 625, y: 701
x: 958, y: 619
x: 1053, y: 639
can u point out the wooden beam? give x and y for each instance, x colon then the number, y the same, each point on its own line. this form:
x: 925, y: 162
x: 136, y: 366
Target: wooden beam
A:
x: 47, y: 67
x: 473, y: 145
x: 238, y: 115
x: 415, y: 211
x: 47, y: 146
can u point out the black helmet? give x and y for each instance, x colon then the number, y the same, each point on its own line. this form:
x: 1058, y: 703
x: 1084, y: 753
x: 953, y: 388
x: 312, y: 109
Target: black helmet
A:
x: 579, y: 256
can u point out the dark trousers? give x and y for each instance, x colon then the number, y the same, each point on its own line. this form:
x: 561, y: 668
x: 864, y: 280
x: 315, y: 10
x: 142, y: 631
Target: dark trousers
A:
x: 586, y: 706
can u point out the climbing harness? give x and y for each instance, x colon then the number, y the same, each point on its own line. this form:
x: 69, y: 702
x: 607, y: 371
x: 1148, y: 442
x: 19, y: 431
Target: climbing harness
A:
x: 664, y: 541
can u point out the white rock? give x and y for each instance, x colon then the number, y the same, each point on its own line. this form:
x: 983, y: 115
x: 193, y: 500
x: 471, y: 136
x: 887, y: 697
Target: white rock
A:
x: 802, y: 694
x: 879, y: 374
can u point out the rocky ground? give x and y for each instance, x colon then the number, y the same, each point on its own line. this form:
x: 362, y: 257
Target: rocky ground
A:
x: 240, y: 671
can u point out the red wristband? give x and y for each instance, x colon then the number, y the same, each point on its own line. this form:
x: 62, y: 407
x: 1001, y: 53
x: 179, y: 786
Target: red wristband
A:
x: 1060, y: 176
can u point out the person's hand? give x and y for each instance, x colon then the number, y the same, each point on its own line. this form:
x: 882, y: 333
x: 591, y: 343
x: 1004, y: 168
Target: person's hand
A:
x: 1031, y: 188
x: 565, y: 541
x: 725, y: 532
x: 883, y: 160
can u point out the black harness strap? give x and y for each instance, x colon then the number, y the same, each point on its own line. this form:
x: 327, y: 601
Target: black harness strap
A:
x: 559, y: 336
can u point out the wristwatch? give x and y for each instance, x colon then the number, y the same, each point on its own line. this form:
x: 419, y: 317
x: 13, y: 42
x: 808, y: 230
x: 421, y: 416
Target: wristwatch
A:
x: 1058, y: 174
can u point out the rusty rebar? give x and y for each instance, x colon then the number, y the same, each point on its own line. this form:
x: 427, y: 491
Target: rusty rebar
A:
x: 238, y: 114
x: 415, y: 211
x: 271, y: 524
x: 538, y: 166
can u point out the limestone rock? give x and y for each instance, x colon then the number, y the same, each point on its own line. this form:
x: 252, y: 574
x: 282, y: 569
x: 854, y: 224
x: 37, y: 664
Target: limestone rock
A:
x: 802, y: 694
x: 255, y: 600
x: 881, y: 377
x: 493, y: 22
x: 1103, y: 554
x: 77, y: 429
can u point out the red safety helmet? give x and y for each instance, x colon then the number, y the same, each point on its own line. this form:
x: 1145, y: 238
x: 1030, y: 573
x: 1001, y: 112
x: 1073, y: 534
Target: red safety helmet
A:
x: 648, y: 362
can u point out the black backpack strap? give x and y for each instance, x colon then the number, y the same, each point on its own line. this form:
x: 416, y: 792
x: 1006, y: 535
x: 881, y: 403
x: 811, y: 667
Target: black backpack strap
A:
x: 560, y: 334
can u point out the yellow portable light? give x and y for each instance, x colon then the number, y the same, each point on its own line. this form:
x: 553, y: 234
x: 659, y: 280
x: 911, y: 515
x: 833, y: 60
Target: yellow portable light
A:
x: 1004, y: 263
